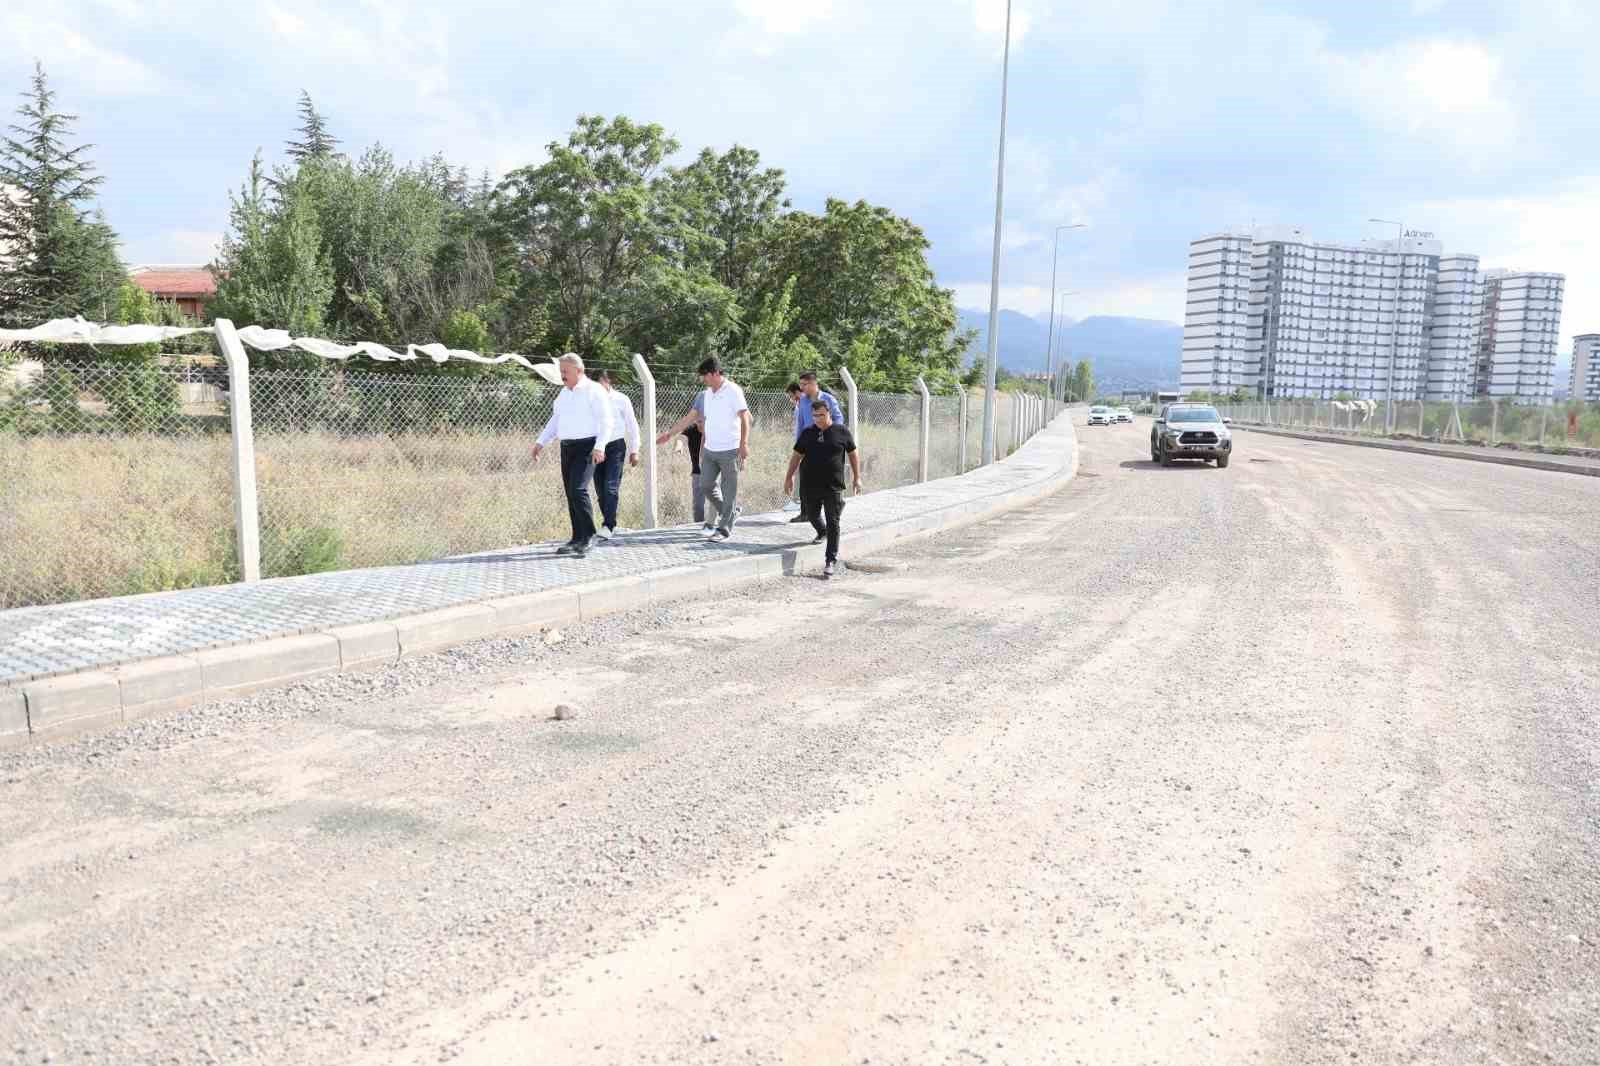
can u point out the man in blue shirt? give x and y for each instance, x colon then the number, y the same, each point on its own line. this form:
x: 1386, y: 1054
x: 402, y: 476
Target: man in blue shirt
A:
x: 810, y: 393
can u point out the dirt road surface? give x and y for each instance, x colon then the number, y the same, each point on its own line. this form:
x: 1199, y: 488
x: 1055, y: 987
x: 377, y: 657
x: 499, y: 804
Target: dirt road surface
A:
x: 1294, y: 762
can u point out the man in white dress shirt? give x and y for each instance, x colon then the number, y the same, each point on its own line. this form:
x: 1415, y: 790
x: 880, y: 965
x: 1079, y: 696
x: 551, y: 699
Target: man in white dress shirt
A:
x: 582, y: 421
x: 725, y: 415
x: 624, y: 442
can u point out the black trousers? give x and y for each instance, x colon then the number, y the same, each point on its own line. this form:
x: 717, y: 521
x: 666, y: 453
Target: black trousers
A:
x: 823, y: 508
x: 608, y: 481
x: 577, y: 468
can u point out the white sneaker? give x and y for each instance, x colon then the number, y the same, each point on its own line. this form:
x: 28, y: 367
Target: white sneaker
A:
x: 719, y: 536
x: 605, y: 534
x: 708, y: 531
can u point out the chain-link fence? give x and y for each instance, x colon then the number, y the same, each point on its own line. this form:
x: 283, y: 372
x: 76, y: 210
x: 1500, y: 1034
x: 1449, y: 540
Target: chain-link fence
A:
x: 117, y: 477
x: 114, y: 479
x: 1553, y: 427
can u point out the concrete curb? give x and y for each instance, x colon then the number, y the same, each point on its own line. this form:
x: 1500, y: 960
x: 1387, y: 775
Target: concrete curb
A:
x: 56, y: 707
x: 1498, y: 458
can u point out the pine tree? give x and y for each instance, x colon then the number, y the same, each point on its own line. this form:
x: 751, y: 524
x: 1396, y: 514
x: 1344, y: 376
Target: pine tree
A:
x: 60, y: 258
x: 315, y: 141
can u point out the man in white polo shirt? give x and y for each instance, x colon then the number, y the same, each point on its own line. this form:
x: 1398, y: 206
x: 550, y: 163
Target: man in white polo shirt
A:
x: 726, y: 418
x: 624, y: 443
x: 582, y: 420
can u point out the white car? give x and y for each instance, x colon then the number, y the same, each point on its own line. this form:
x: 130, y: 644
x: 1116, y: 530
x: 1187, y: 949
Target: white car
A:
x: 1124, y: 415
x: 1100, y: 416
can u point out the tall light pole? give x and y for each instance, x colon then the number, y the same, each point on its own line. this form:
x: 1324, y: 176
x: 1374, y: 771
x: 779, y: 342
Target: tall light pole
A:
x: 1394, y: 344
x: 1050, y: 363
x: 994, y: 274
x: 1055, y: 254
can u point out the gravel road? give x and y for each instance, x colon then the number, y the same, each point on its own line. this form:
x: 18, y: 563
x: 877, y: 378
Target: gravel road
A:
x: 1294, y: 762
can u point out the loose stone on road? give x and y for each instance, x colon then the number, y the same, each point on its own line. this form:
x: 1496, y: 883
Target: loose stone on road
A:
x: 1292, y: 762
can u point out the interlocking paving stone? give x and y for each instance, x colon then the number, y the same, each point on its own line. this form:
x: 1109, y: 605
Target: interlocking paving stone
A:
x: 70, y: 637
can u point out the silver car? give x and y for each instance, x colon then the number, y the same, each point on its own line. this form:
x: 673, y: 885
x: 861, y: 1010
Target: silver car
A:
x: 1100, y: 416
x: 1190, y: 431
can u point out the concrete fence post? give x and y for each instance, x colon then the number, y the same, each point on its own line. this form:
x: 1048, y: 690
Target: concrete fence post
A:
x: 647, y: 430
x: 927, y: 429
x: 1422, y: 417
x: 961, y: 445
x: 852, y: 416
x: 1494, y: 421
x: 246, y: 513
x: 1544, y: 423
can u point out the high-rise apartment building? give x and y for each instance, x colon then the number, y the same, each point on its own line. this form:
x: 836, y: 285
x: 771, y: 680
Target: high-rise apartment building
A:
x: 1280, y: 315
x: 1584, y: 384
x: 1519, y: 328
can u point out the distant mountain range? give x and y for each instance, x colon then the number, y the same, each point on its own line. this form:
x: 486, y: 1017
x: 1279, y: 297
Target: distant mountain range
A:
x: 1126, y: 353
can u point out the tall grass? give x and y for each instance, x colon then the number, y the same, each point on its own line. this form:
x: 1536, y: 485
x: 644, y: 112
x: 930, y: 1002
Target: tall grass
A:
x: 88, y: 516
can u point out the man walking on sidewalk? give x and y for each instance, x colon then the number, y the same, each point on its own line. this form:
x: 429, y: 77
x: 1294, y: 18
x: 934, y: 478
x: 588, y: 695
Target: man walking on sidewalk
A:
x: 624, y: 442
x: 810, y: 393
x: 819, y: 456
x: 726, y: 418
x: 582, y: 421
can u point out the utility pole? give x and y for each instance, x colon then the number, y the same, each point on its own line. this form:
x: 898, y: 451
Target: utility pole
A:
x: 1394, y: 343
x: 991, y: 362
x: 1055, y: 254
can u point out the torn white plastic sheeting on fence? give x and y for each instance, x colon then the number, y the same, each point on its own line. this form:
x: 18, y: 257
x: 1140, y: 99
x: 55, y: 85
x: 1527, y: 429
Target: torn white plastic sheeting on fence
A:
x: 81, y: 331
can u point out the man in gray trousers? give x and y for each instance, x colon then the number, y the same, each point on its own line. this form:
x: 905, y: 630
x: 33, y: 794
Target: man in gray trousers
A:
x: 725, y: 417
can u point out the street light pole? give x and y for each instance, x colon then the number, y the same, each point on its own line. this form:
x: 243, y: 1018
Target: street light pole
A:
x: 991, y: 363
x: 1055, y: 254
x: 1050, y: 363
x: 1394, y: 343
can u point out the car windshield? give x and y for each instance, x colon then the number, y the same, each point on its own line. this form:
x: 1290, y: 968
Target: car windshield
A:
x: 1193, y: 414
x: 1097, y: 410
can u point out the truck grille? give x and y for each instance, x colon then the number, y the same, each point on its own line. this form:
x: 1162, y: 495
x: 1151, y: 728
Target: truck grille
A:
x: 1199, y: 436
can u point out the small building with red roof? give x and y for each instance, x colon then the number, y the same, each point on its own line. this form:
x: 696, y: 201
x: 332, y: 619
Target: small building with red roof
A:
x: 190, y: 287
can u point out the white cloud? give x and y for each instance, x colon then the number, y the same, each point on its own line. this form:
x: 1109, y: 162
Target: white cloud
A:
x: 1161, y: 297
x: 189, y: 246
x: 785, y: 16
x: 1452, y: 92
x: 285, y: 23
x: 989, y: 16
x: 1554, y: 232
x: 69, y: 56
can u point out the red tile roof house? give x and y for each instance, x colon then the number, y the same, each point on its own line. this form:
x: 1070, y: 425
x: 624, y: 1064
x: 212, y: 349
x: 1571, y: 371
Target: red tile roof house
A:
x: 187, y: 286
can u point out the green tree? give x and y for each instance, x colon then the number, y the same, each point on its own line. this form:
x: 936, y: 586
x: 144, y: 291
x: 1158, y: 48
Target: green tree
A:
x: 731, y: 200
x: 864, y: 293
x: 596, y: 243
x: 61, y: 256
x: 315, y: 141
x: 1081, y: 386
x: 271, y: 269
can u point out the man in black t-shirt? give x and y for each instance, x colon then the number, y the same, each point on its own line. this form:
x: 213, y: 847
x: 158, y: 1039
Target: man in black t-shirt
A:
x: 819, y: 455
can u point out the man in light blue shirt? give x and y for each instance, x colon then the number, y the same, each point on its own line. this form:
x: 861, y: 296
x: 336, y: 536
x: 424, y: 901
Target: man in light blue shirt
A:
x: 810, y: 393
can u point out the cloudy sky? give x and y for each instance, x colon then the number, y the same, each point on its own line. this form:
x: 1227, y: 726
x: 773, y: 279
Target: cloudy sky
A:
x: 1153, y: 121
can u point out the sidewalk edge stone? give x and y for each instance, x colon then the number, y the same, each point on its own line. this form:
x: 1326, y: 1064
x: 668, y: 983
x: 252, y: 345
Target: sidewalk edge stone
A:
x: 235, y: 670
x: 533, y: 611
x: 366, y: 644
x: 427, y: 632
x: 13, y: 718
x: 73, y: 703
x: 156, y: 686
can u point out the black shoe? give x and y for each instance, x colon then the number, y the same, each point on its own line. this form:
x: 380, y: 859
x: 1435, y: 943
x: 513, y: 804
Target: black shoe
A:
x: 801, y: 517
x: 819, y: 538
x: 580, y: 551
x: 567, y: 549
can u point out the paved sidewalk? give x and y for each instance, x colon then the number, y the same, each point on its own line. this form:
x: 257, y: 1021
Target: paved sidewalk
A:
x: 43, y: 642
x: 1482, y: 453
